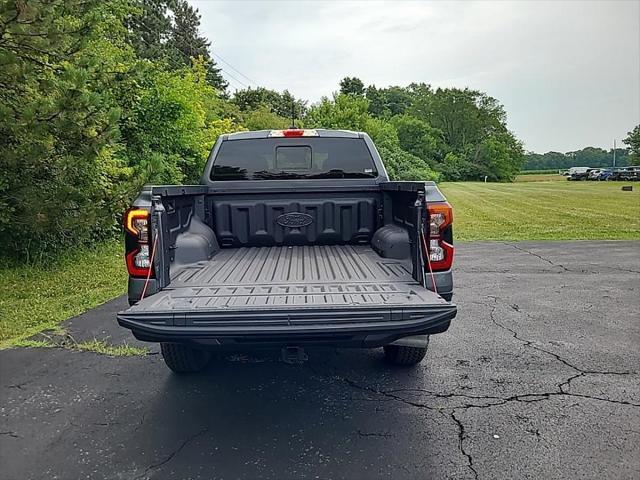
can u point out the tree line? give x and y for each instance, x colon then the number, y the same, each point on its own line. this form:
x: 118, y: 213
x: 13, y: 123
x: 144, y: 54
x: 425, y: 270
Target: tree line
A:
x: 586, y: 157
x: 98, y: 97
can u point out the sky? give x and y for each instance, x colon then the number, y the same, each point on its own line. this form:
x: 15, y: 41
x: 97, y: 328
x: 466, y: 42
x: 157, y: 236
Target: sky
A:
x: 567, y: 72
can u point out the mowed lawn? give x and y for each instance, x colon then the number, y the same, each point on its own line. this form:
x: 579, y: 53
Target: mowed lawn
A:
x: 544, y: 210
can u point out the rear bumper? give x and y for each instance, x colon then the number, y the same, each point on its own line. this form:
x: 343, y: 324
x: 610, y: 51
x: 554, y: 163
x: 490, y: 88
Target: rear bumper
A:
x: 444, y: 283
x: 346, y: 332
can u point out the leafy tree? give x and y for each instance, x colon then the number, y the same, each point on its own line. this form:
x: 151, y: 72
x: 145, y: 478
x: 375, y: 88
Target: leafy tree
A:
x: 418, y: 138
x: 342, y: 112
x: 454, y: 112
x: 149, y: 28
x: 60, y: 178
x: 402, y: 165
x: 586, y: 157
x: 383, y: 133
x: 83, y: 122
x: 498, y: 158
x: 281, y: 104
x: 168, y: 30
x: 187, y: 42
x: 455, y: 168
x: 633, y: 140
x: 352, y: 86
x: 387, y: 102
x: 168, y: 136
x: 262, y: 118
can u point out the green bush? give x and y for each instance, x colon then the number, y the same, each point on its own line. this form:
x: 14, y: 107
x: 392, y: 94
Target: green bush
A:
x: 61, y: 179
x: 84, y: 123
x: 402, y: 165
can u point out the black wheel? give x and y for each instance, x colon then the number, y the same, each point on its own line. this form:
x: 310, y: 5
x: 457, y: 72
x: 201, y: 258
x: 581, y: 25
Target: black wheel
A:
x: 183, y: 359
x: 401, y: 355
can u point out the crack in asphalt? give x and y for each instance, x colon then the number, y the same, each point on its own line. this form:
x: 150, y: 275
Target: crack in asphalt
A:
x: 517, y: 247
x: 156, y: 466
x: 487, y: 401
x: 384, y: 393
x: 623, y: 269
x: 461, y: 436
x: 141, y: 422
x: 529, y: 343
x: 391, y: 395
x: 551, y: 262
x: 10, y: 434
x: 375, y: 434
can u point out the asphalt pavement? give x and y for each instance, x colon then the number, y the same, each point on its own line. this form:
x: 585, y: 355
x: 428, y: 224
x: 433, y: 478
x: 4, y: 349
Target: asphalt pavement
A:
x: 538, y: 377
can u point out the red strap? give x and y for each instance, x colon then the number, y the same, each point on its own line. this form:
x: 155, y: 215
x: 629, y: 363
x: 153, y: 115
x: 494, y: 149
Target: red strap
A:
x: 433, y: 278
x: 153, y: 254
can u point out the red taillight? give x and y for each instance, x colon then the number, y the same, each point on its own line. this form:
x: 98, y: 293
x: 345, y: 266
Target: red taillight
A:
x: 134, y: 259
x: 293, y: 132
x: 438, y: 232
x: 137, y: 241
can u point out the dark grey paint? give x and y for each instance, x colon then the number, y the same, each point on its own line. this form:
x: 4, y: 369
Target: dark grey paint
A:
x: 196, y: 225
x: 343, y: 295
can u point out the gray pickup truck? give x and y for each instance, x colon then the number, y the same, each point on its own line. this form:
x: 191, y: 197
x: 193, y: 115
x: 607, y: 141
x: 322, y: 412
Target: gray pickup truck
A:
x: 293, y: 238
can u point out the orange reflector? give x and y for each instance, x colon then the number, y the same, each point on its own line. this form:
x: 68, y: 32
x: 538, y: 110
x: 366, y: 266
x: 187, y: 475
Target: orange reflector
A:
x: 132, y: 215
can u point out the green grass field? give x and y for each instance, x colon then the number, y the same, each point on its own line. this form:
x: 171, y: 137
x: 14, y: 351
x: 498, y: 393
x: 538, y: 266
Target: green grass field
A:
x: 36, y: 298
x: 540, y: 177
x: 544, y: 210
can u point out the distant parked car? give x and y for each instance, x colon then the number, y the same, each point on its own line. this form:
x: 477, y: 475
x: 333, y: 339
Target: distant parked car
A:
x: 615, y: 174
x: 578, y: 173
x: 605, y: 174
x: 593, y: 174
x: 625, y: 174
x: 629, y: 174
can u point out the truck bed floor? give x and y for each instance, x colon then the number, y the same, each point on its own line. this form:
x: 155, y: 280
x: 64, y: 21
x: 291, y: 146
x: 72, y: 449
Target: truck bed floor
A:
x: 287, y: 265
x: 276, y: 287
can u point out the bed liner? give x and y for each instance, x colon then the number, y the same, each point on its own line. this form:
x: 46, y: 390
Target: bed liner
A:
x: 289, y: 286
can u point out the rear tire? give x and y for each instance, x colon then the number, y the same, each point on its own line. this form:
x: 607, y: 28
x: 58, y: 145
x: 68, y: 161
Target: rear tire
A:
x: 183, y: 359
x: 401, y: 355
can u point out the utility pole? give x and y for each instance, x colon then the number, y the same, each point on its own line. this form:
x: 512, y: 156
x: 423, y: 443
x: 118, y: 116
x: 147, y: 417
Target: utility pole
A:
x: 614, y: 153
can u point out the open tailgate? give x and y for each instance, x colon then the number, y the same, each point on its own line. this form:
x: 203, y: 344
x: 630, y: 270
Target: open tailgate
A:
x: 283, y: 289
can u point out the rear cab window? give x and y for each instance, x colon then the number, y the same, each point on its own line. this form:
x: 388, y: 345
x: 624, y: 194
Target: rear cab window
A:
x: 293, y: 158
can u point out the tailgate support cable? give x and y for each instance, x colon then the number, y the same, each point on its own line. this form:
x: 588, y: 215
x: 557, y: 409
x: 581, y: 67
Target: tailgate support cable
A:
x: 420, y: 204
x: 153, y: 254
x: 433, y: 278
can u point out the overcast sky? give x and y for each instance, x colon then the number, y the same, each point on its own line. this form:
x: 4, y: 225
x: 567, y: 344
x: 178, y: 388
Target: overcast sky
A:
x: 568, y: 72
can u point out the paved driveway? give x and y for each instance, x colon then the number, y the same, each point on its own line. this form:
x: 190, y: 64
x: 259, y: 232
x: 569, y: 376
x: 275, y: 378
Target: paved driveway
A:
x: 538, y: 377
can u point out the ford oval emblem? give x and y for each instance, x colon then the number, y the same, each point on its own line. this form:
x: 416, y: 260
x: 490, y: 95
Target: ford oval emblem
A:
x: 294, y: 220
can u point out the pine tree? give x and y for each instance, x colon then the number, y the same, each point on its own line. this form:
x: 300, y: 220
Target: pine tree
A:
x: 169, y: 30
x: 187, y: 42
x: 150, y: 28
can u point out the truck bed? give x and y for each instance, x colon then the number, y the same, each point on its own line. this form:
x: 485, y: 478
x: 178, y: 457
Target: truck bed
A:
x: 334, y: 264
x: 271, y: 288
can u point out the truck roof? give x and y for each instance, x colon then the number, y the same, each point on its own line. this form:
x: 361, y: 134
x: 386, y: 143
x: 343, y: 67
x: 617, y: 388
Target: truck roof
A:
x: 321, y: 132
